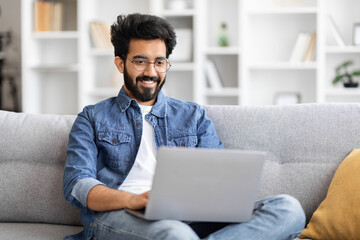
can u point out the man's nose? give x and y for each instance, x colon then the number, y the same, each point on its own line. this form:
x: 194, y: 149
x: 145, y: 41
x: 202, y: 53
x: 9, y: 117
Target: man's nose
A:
x: 150, y: 70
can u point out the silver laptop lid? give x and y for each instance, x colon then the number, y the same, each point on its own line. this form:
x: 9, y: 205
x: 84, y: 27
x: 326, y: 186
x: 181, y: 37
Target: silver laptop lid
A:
x: 205, y: 184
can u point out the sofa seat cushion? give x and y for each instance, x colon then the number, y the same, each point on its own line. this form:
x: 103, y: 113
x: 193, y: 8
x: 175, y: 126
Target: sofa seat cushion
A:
x: 33, y: 231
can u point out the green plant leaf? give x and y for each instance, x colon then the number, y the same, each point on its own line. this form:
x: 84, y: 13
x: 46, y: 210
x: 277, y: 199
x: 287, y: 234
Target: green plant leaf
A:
x: 343, y: 65
x: 348, y: 63
x: 337, y: 78
x: 355, y: 73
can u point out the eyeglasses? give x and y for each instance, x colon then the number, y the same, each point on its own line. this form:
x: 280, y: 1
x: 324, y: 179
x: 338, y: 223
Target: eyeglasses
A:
x: 140, y: 64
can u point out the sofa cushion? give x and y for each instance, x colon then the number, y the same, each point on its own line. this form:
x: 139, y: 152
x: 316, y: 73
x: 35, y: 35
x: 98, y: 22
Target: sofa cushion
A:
x: 30, y: 231
x: 338, y: 216
x: 33, y: 153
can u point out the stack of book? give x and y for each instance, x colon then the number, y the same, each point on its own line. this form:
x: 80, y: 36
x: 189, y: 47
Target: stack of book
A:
x: 48, y: 16
x: 212, y: 75
x: 304, y: 48
x: 335, y: 32
x: 100, y: 35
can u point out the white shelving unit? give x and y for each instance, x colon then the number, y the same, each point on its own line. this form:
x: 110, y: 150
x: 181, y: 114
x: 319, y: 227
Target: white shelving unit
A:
x: 271, y: 32
x: 266, y: 32
x: 63, y: 71
x: 50, y: 63
x: 228, y: 60
x: 345, y: 14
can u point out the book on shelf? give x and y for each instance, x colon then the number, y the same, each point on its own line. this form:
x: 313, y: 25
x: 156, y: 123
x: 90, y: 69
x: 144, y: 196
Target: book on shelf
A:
x: 48, y: 16
x: 100, y: 35
x: 57, y: 16
x: 335, y: 32
x: 304, y: 47
x: 212, y: 75
x: 310, y: 52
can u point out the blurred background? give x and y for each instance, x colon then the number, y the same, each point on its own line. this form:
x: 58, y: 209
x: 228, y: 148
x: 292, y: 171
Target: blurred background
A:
x: 56, y: 55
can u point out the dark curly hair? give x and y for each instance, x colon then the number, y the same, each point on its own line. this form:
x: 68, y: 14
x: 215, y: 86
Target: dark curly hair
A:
x: 140, y: 26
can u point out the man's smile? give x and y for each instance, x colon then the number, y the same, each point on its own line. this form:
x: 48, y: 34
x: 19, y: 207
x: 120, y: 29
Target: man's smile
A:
x: 148, y: 81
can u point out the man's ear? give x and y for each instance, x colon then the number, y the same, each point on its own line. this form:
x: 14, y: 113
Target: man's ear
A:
x: 119, y: 64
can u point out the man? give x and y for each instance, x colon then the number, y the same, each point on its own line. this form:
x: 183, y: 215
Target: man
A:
x: 112, y: 148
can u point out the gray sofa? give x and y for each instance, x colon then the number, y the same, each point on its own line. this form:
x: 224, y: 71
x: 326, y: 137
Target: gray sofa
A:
x: 305, y: 144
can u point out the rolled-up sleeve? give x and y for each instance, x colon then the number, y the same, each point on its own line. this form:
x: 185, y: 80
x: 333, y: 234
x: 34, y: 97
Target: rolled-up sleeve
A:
x: 82, y: 188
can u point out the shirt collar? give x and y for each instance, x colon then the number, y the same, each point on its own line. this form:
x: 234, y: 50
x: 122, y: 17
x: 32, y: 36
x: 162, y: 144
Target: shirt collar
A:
x: 159, y: 108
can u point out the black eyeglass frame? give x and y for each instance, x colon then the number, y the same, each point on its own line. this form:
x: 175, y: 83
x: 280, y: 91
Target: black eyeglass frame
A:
x: 132, y: 62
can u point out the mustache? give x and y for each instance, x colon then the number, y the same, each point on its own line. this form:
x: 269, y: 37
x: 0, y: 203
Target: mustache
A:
x: 146, y: 78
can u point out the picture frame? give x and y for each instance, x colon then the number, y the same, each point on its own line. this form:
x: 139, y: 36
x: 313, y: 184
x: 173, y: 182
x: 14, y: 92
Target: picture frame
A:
x: 287, y: 98
x: 356, y: 34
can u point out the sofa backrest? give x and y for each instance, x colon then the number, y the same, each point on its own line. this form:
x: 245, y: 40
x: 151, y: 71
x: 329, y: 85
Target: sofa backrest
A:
x: 32, y: 158
x: 305, y: 144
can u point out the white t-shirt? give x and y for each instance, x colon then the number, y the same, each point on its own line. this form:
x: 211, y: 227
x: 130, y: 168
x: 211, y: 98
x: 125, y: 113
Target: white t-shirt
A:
x: 140, y: 177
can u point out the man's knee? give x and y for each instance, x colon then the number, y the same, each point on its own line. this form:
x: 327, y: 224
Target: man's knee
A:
x: 293, y: 209
x: 284, y: 207
x: 293, y: 205
x: 173, y: 230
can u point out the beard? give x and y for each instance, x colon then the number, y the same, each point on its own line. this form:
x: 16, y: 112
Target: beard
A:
x: 143, y: 94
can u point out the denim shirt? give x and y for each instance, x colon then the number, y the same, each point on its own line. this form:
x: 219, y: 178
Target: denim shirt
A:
x: 105, y: 139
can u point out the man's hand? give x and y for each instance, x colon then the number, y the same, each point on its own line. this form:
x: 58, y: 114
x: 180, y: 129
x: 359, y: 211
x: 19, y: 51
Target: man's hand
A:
x: 138, y: 201
x: 102, y: 198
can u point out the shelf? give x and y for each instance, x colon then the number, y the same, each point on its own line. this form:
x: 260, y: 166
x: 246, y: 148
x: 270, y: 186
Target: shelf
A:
x: 284, y: 10
x: 284, y: 66
x: 343, y: 92
x: 178, y: 13
x: 56, y: 68
x: 222, y: 51
x: 102, y: 52
x: 222, y: 92
x: 252, y: 69
x: 346, y: 49
x: 182, y: 66
x: 56, y: 35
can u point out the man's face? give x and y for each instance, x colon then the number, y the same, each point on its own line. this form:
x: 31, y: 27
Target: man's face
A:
x: 144, y: 86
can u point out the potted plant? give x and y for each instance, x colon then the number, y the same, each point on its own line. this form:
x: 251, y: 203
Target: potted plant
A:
x: 343, y: 74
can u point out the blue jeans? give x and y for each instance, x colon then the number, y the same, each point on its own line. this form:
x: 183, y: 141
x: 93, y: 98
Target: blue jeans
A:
x: 278, y: 217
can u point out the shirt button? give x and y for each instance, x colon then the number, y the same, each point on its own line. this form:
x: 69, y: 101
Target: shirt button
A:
x: 114, y: 140
x: 119, y: 183
x: 138, y: 144
x: 91, y: 224
x: 182, y: 145
x: 137, y: 124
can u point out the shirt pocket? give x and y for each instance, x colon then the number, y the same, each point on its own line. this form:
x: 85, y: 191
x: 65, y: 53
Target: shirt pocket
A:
x: 184, y: 141
x: 113, y: 137
x: 114, y: 149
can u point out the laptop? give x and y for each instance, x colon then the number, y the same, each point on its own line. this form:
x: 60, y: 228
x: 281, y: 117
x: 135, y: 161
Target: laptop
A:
x: 208, y: 185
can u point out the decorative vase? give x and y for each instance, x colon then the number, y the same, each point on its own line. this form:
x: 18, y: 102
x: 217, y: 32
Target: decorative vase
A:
x: 223, y: 38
